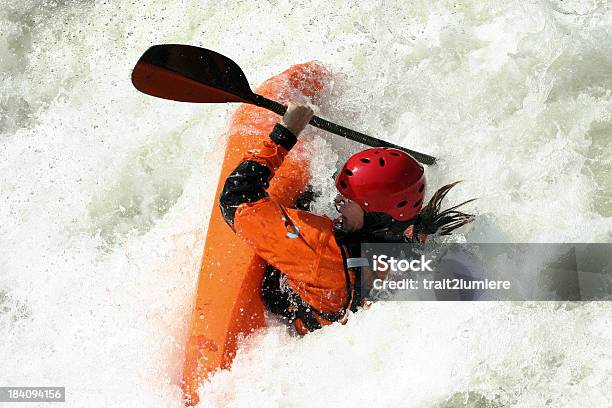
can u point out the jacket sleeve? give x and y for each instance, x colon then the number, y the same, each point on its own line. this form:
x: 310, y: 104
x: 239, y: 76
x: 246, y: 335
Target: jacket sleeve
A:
x: 249, y: 181
x: 299, y: 243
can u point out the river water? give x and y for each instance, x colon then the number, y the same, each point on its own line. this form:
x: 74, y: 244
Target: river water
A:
x: 106, y: 193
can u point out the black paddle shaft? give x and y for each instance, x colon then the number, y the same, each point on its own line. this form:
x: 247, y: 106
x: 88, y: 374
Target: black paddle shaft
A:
x: 193, y: 74
x: 347, y: 133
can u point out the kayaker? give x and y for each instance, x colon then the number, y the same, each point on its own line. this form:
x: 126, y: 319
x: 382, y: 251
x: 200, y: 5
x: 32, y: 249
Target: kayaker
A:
x: 311, y: 279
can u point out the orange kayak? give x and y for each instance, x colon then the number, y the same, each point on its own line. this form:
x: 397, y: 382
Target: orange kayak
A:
x: 228, y: 304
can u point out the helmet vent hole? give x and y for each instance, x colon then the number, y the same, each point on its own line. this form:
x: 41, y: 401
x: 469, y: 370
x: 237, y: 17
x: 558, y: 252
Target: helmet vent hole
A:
x: 394, y: 154
x: 342, y: 184
x: 381, y: 161
x: 365, y: 160
x: 348, y: 172
x: 421, y: 188
x: 376, y: 152
x: 402, y: 204
x: 417, y: 204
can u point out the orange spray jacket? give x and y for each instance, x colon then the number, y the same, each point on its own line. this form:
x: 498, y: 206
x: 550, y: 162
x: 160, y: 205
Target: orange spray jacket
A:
x: 298, y: 243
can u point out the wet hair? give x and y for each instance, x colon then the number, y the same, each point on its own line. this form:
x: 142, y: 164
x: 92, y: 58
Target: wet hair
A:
x: 431, y: 220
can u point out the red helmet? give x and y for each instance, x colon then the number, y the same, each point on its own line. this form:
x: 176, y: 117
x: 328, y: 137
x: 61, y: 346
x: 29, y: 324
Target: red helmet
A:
x: 384, y: 180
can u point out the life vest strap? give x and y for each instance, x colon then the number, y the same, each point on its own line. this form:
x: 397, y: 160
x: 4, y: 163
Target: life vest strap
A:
x: 357, y: 262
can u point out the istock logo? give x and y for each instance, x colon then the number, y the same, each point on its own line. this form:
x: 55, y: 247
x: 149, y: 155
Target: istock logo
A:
x: 384, y: 263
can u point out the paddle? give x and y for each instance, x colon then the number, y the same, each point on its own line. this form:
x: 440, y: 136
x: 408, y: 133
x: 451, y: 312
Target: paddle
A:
x: 191, y: 74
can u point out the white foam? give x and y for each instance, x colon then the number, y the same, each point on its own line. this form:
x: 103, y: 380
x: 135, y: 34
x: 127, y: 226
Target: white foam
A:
x: 106, y: 194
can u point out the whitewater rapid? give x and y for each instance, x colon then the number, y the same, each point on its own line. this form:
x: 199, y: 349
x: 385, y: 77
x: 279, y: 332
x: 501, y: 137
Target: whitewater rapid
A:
x: 105, y: 195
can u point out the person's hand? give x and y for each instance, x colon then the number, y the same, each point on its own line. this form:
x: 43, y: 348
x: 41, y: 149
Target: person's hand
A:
x: 297, y: 117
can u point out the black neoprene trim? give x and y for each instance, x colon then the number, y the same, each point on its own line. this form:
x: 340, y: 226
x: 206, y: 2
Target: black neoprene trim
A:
x: 246, y: 184
x: 283, y: 137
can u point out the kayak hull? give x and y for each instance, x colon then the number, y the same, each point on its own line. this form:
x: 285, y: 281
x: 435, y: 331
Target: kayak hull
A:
x: 228, y: 304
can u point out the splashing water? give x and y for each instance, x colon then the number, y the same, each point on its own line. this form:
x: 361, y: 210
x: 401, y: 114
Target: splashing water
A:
x: 106, y: 195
